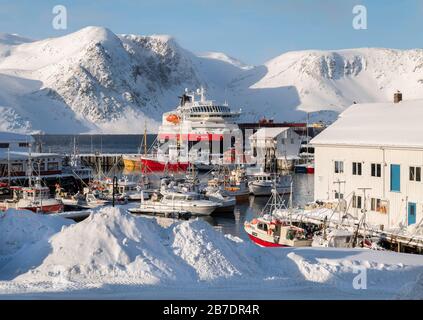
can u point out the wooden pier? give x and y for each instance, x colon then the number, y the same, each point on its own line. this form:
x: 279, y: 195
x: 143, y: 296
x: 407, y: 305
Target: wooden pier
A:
x: 103, y: 160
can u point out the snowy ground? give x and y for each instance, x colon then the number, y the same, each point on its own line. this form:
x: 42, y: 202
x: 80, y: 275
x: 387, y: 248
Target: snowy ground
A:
x: 113, y: 254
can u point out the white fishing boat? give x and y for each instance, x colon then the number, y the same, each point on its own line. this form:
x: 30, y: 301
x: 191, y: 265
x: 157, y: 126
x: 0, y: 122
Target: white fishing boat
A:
x: 215, y: 194
x: 261, y: 184
x: 271, y: 230
x: 85, y: 200
x: 171, y: 201
x: 124, y: 189
x: 236, y: 184
x: 35, y: 198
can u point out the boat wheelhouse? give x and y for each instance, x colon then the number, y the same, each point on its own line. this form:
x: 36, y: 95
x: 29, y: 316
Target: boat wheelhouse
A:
x: 34, y: 198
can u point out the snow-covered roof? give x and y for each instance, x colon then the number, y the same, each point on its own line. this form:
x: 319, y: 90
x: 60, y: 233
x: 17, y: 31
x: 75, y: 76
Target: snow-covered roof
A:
x: 268, y: 133
x: 377, y: 124
x: 15, y: 155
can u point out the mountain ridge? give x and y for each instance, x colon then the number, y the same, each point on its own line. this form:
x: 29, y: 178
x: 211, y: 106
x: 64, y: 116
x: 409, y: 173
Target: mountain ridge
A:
x: 95, y: 81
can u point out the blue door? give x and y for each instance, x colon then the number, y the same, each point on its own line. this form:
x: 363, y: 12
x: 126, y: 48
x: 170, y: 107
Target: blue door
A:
x: 395, y: 177
x: 411, y: 213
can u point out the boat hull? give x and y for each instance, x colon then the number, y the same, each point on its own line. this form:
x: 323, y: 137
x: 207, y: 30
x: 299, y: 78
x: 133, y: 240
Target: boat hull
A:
x: 158, y: 166
x: 264, y: 243
x: 46, y: 209
x: 266, y: 190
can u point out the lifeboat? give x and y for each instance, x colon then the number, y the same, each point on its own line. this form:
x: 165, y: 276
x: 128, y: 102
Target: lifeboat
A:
x: 173, y: 118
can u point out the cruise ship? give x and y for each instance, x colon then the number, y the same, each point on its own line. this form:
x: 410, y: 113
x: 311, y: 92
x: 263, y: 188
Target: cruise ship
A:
x: 199, y: 131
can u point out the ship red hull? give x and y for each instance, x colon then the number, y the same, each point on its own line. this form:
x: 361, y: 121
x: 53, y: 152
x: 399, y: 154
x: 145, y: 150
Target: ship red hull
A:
x: 56, y: 208
x: 264, y: 243
x: 155, y: 165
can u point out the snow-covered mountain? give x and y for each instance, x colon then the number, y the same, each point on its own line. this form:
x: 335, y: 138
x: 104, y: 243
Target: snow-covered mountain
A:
x: 95, y: 81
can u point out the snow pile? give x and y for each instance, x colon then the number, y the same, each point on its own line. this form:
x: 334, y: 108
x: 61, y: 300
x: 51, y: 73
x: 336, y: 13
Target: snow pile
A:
x: 214, y: 256
x: 109, y: 247
x: 19, y: 229
x: 412, y: 290
x: 138, y: 257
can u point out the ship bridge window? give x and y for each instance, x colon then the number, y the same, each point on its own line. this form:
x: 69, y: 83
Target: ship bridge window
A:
x: 262, y: 226
x: 4, y: 145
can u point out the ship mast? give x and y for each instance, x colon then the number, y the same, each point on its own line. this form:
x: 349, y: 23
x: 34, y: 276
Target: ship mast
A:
x: 29, y: 166
x: 145, y: 137
x: 8, y: 166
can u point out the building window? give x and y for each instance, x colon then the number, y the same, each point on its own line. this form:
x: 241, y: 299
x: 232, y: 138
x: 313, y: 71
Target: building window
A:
x: 339, y: 167
x: 17, y: 167
x: 356, y: 202
x: 52, y: 166
x: 376, y: 205
x: 376, y: 170
x: 356, y: 169
x: 415, y: 174
x: 395, y: 177
x: 4, y: 145
x: 339, y: 195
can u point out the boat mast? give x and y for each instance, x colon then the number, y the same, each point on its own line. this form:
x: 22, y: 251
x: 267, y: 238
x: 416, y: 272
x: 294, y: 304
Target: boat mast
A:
x: 145, y: 137
x: 29, y: 166
x: 307, y: 137
x: 8, y: 166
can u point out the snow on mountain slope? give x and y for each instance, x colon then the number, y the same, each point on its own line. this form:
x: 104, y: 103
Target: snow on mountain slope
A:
x: 95, y: 81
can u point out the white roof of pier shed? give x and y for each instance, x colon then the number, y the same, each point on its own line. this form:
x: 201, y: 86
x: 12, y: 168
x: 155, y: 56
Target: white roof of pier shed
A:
x: 377, y: 124
x: 268, y: 133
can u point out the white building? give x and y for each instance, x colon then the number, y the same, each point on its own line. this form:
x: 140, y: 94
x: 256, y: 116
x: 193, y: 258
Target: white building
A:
x: 377, y: 146
x: 282, y: 143
x: 14, y: 154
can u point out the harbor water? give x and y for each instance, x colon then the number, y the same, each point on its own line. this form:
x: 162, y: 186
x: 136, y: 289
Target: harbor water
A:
x: 228, y: 223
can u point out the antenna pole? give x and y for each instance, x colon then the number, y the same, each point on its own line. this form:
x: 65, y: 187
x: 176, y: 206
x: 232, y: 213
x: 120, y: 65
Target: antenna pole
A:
x: 339, y: 182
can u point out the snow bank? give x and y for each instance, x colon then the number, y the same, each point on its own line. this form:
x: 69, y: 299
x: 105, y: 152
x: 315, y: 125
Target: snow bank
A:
x: 23, y: 228
x: 119, y: 254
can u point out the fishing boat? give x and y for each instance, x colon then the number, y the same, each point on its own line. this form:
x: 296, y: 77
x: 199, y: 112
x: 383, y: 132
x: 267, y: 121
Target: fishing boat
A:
x: 179, y: 202
x: 215, y: 194
x: 35, y: 198
x: 235, y: 184
x: 85, y: 200
x: 269, y: 230
x: 306, y: 166
x: 262, y: 183
x: 130, y: 190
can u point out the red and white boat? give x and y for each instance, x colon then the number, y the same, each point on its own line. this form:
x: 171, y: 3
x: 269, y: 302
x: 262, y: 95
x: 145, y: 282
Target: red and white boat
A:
x: 197, y: 131
x: 272, y: 230
x: 34, y: 198
x: 269, y: 232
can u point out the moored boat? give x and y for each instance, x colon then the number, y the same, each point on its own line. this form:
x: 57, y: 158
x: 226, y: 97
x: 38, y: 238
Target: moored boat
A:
x: 262, y: 183
x: 34, y: 198
x: 271, y: 230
